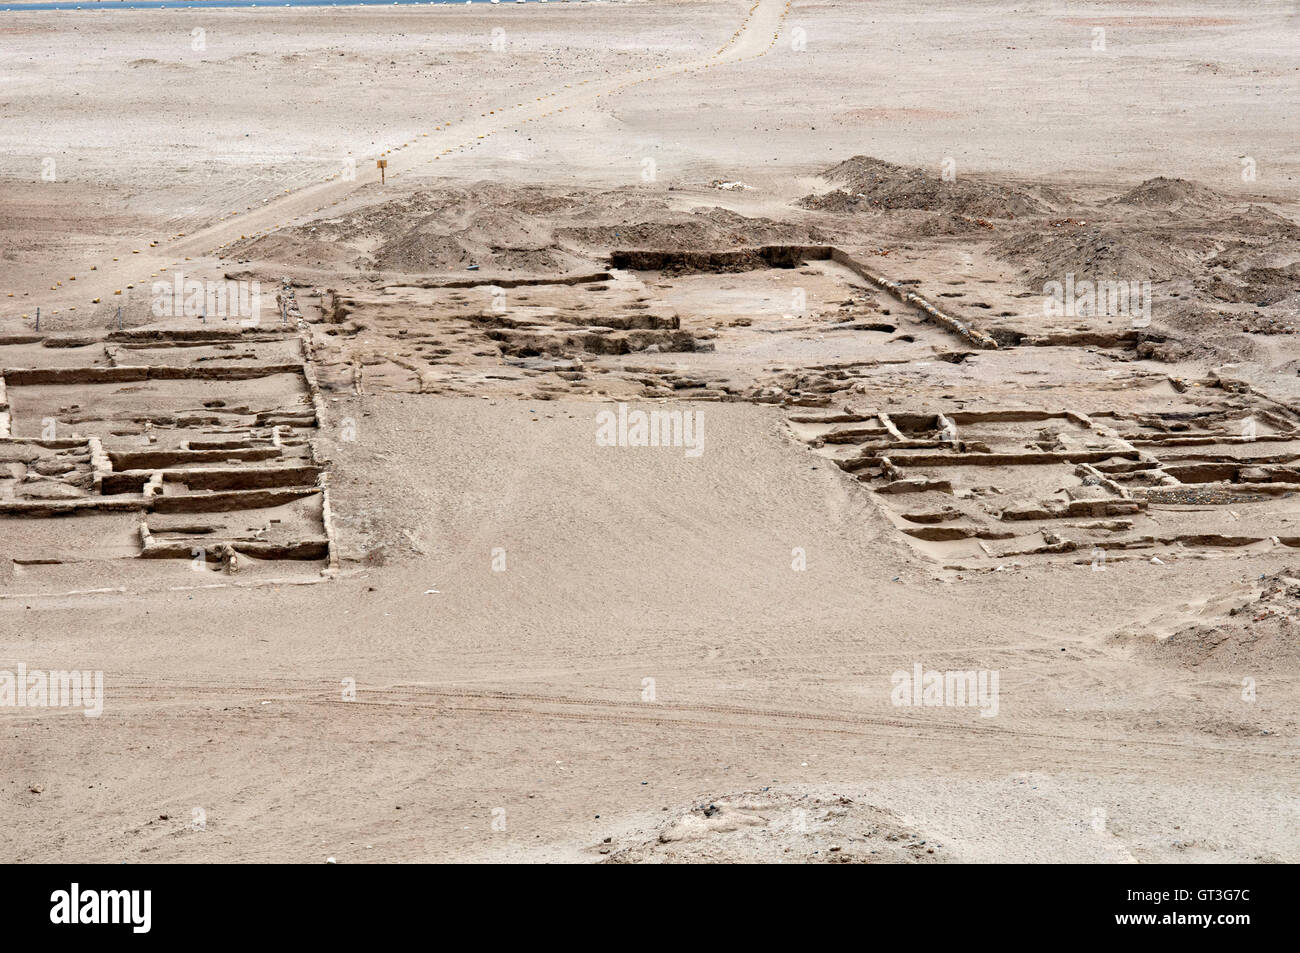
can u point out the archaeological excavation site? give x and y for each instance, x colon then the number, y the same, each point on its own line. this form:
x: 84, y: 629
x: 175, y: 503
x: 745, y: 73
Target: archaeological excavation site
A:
x: 664, y: 431
x: 993, y: 427
x: 165, y: 443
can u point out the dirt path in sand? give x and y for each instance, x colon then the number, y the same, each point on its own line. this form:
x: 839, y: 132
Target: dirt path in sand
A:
x: 139, y: 263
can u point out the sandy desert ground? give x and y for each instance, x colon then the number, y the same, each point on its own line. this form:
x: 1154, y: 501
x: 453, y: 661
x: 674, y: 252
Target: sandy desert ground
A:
x: 364, y: 580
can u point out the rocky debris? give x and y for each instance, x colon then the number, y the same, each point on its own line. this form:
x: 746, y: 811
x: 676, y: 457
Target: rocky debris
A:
x: 915, y: 486
x: 49, y: 490
x: 69, y: 340
x: 1207, y: 494
x: 53, y: 466
x: 775, y: 827
x: 19, y: 452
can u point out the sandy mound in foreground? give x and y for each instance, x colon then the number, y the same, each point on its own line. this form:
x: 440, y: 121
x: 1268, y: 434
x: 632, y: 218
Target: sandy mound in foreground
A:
x: 1254, y: 625
x: 770, y: 827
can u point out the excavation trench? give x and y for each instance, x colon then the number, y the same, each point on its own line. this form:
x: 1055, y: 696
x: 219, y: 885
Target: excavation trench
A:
x: 792, y: 256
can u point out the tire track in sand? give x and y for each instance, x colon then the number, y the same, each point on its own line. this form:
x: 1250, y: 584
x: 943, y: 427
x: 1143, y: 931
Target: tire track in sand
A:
x: 531, y: 705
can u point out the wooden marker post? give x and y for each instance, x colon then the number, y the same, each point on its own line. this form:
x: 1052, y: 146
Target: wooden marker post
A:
x: 381, y: 164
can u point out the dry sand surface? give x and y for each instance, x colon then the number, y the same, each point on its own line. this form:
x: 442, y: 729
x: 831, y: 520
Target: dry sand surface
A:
x: 365, y: 581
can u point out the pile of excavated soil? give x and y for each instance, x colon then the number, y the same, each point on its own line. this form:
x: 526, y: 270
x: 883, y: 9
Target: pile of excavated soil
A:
x: 706, y: 229
x: 501, y: 229
x: 1252, y: 628
x: 868, y: 183
x: 1257, y: 222
x: 1202, y: 332
x: 1103, y: 252
x: 1123, y: 239
x: 447, y: 230
x: 1173, y: 195
x: 948, y: 224
x: 770, y: 827
x: 1262, y: 286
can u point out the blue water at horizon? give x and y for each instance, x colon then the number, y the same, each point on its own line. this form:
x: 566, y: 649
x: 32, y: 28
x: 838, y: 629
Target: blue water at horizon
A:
x: 91, y: 6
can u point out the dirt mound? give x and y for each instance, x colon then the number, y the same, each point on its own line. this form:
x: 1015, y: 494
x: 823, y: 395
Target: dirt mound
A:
x: 425, y: 247
x: 484, y: 225
x: 504, y: 229
x: 1112, y: 252
x: 836, y: 200
x: 1261, y: 286
x: 712, y: 228
x: 767, y: 827
x: 1172, y: 195
x: 874, y: 183
x: 297, y: 246
x: 947, y: 224
x: 1198, y: 332
x: 1250, y: 627
x: 448, y: 230
x: 1257, y: 222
